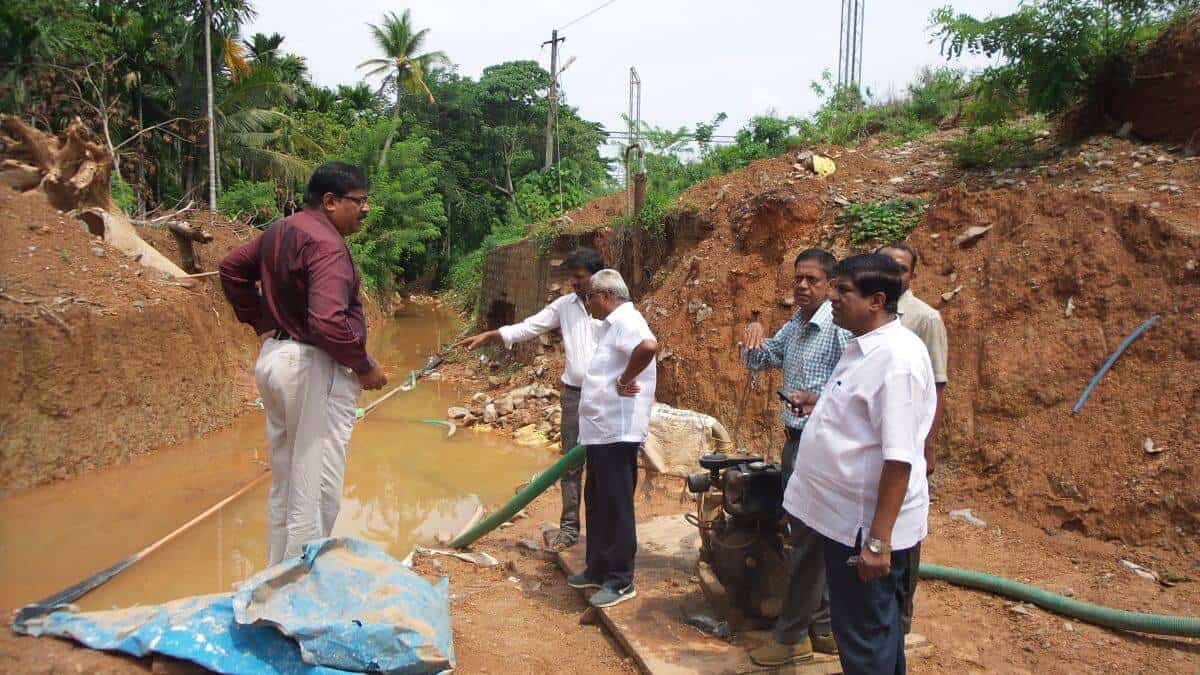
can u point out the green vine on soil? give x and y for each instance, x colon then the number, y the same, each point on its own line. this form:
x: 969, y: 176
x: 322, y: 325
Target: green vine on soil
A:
x: 882, y: 221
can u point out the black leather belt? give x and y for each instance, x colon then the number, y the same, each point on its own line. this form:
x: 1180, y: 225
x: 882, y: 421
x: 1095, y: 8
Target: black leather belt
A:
x: 793, y: 434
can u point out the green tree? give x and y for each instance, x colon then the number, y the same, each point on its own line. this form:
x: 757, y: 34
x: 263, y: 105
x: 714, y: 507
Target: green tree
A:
x: 406, y: 210
x: 1056, y: 51
x: 264, y: 49
x: 401, y: 65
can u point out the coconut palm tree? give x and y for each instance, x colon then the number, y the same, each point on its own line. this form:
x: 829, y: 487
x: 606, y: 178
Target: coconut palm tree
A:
x: 263, y: 48
x: 254, y: 136
x: 401, y: 65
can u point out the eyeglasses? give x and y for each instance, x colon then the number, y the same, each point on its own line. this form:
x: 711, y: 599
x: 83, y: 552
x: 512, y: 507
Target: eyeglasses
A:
x: 588, y: 296
x: 360, y: 201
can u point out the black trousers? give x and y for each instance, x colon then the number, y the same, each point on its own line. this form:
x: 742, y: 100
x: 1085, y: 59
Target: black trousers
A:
x: 611, y: 477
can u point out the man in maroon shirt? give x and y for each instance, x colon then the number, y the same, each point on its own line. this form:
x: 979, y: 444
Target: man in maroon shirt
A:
x: 313, y: 363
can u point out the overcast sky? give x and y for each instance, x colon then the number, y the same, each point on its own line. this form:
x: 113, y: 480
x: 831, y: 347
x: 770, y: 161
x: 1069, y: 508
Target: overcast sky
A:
x: 695, y: 58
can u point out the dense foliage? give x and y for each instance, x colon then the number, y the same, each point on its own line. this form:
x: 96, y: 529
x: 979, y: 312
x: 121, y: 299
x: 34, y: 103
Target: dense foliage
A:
x: 457, y: 163
x: 450, y: 158
x: 250, y: 201
x: 1055, y: 52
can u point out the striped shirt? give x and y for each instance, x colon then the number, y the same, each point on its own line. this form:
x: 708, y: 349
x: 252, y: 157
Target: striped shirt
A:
x: 807, y: 351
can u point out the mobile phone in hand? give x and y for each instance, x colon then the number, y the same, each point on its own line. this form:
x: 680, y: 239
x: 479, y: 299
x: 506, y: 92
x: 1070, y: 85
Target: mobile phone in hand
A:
x: 783, y: 397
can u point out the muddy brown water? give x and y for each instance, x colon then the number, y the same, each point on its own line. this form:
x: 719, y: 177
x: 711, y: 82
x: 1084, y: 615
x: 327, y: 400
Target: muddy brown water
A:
x: 406, y: 482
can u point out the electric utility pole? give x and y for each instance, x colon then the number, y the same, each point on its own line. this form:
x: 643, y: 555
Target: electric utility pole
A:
x: 553, y: 109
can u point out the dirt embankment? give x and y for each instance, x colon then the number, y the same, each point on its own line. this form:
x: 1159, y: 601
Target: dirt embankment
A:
x: 1163, y: 101
x: 1021, y: 358
x: 1108, y: 225
x: 1018, y: 363
x: 101, y: 358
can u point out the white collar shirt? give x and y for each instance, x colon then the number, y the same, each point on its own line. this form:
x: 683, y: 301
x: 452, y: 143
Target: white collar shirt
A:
x: 604, y: 415
x: 877, y: 406
x: 579, y: 330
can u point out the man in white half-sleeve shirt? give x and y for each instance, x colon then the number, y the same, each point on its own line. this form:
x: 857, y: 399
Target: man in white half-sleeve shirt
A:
x: 860, y: 477
x: 579, y: 331
x: 614, y: 418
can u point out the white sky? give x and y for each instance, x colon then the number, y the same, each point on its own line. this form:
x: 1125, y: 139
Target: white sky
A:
x: 695, y: 58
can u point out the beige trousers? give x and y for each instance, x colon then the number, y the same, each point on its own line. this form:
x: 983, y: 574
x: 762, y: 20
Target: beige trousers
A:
x: 310, y: 401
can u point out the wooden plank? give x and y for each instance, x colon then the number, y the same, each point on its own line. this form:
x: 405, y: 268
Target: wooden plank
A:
x: 652, y: 627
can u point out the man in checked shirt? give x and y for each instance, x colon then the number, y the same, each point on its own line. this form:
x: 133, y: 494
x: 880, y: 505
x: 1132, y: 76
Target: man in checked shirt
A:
x: 807, y: 348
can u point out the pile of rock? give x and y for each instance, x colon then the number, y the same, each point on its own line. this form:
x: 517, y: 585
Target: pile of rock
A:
x: 534, y: 405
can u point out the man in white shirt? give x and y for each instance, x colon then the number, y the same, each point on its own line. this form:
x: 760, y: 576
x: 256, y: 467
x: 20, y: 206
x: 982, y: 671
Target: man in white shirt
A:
x: 860, y: 478
x: 579, y: 331
x: 614, y: 416
x: 917, y: 316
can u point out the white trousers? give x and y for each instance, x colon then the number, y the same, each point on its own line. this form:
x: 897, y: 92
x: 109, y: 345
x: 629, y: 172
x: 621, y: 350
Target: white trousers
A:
x: 310, y: 401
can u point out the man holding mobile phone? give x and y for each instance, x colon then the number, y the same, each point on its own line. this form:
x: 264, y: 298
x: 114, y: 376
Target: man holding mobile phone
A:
x: 807, y: 348
x: 863, y: 487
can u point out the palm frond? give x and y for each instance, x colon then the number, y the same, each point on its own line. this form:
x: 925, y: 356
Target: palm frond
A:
x: 276, y: 163
x: 235, y: 59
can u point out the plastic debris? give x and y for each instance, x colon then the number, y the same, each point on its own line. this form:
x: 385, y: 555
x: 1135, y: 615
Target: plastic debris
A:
x: 966, y: 516
x: 474, y: 557
x: 710, y: 626
x: 971, y: 235
x: 1150, y: 448
x: 822, y: 165
x: 1139, y: 570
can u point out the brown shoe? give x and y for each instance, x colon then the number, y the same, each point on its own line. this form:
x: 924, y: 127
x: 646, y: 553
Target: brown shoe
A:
x: 824, y: 643
x: 776, y: 654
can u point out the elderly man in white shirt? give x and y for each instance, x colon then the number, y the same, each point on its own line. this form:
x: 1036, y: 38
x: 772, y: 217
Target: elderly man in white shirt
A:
x: 860, y: 468
x: 579, y: 331
x: 614, y: 417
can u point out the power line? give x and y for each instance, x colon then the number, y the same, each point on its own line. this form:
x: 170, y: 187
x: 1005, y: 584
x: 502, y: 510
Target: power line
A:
x: 682, y: 136
x: 575, y: 21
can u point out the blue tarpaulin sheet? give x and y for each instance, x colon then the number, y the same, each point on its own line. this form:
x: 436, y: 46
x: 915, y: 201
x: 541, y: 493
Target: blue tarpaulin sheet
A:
x: 342, y: 605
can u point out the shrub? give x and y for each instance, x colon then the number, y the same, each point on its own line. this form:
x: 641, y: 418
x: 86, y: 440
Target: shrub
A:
x: 936, y: 94
x: 542, y: 195
x: 122, y: 194
x: 883, y: 221
x: 1000, y: 145
x: 253, y: 201
x: 1055, y: 52
x: 406, y: 212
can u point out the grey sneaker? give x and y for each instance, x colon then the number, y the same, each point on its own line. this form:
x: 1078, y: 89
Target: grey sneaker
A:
x: 581, y: 581
x: 607, y: 597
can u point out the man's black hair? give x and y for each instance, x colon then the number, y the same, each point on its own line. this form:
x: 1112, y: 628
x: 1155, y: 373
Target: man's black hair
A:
x: 903, y: 246
x: 584, y: 258
x: 873, y: 273
x: 820, y: 256
x: 336, y: 177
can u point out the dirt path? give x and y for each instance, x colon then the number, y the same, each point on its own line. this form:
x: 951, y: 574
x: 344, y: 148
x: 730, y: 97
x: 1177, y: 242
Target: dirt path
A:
x: 532, y: 625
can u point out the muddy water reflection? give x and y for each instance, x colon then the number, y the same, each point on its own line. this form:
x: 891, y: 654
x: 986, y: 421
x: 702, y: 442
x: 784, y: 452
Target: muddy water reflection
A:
x: 405, y: 483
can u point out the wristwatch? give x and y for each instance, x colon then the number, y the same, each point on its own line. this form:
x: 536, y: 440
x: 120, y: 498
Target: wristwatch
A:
x: 876, y: 546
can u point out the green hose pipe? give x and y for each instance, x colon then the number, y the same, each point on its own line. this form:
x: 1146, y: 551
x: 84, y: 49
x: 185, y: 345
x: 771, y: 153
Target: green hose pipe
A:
x: 1160, y: 624
x: 505, y: 513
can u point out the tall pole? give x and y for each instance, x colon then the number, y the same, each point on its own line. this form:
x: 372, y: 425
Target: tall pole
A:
x: 212, y: 127
x: 850, y: 42
x: 553, y: 109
